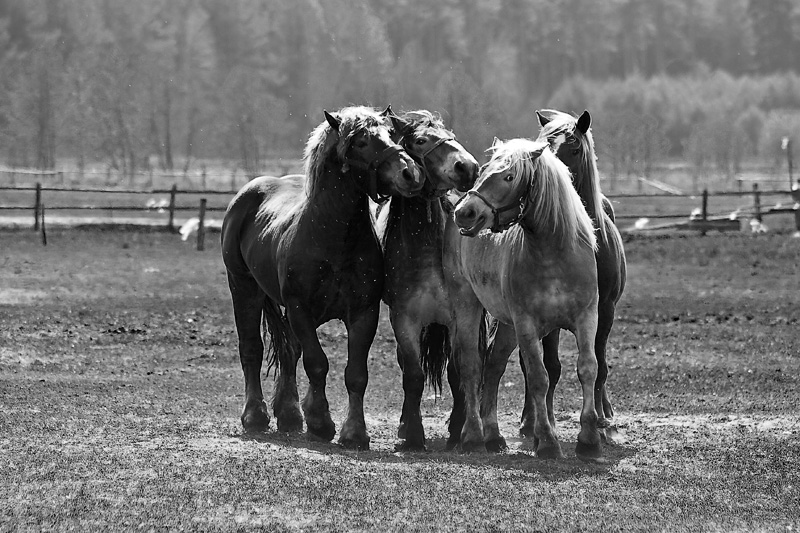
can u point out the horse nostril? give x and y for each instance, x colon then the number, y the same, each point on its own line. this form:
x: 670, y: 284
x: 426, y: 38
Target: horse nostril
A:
x: 408, y: 175
x: 460, y: 168
x: 466, y: 213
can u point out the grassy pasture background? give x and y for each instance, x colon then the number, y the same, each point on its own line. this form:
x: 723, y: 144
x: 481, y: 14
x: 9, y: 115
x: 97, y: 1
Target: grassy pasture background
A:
x: 121, y: 390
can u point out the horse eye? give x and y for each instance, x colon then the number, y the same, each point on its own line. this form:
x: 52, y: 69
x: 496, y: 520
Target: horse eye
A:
x: 576, y: 151
x: 510, y: 177
x: 419, y: 141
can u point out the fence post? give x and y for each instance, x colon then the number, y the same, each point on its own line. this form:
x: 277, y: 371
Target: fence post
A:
x: 37, y: 206
x: 172, y: 193
x: 201, y: 227
x: 757, y: 201
x: 705, y: 211
x: 44, y: 232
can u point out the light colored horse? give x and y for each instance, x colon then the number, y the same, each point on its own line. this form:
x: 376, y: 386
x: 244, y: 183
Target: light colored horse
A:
x: 300, y: 251
x: 571, y: 140
x: 535, y: 272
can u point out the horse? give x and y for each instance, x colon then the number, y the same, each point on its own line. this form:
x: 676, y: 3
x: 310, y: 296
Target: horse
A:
x: 534, y: 272
x: 411, y: 232
x: 571, y: 140
x: 300, y: 251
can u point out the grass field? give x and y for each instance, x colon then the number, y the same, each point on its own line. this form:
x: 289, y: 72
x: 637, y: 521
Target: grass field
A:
x: 120, y: 393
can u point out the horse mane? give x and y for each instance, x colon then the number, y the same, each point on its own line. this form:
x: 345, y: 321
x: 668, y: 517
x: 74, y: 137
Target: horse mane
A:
x: 324, y: 140
x: 587, y: 178
x: 555, y: 206
x: 422, y: 118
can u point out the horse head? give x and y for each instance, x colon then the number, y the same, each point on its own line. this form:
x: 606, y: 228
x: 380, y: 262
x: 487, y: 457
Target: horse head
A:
x: 444, y: 161
x: 368, y: 153
x: 501, y: 196
x: 569, y: 138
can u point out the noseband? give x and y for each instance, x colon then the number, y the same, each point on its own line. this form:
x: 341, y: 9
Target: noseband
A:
x: 371, y: 169
x: 421, y: 159
x: 522, y: 204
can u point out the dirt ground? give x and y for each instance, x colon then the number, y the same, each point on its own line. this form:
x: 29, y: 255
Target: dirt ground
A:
x: 120, y: 393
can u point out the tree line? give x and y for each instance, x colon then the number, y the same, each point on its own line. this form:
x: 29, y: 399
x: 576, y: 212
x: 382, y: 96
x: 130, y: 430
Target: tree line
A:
x: 169, y: 82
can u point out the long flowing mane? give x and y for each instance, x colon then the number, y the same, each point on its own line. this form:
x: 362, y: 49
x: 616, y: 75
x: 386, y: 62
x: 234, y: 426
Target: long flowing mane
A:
x: 555, y: 206
x: 562, y: 128
x: 323, y: 140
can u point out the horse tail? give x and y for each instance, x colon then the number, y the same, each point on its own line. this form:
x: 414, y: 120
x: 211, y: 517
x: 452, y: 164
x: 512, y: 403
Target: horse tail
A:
x: 435, y: 351
x: 283, y: 348
x: 486, y: 335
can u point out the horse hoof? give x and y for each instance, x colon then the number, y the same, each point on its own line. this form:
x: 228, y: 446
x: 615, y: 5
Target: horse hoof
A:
x: 591, y: 453
x: 255, y: 419
x: 452, y: 442
x: 603, y: 422
x: 325, y: 432
x: 496, y: 445
x: 407, y: 446
x: 473, y: 446
x: 551, y: 451
x: 291, y: 425
x: 526, y: 431
x: 355, y: 444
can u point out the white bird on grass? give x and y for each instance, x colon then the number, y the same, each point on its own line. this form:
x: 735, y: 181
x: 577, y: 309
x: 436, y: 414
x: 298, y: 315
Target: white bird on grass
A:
x: 189, y: 227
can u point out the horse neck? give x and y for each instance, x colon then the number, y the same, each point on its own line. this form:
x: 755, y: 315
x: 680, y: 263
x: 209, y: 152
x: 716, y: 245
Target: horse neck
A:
x: 585, y: 187
x: 337, y: 202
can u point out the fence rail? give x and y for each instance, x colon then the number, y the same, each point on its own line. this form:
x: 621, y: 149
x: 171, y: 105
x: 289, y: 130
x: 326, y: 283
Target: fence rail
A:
x: 701, y: 219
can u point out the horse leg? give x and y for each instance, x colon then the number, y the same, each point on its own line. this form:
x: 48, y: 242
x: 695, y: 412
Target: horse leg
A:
x: 407, y: 335
x: 588, y: 447
x: 470, y: 365
x: 315, y: 362
x: 286, y: 401
x: 360, y: 334
x: 248, y: 300
x: 605, y: 321
x: 494, y: 366
x: 546, y: 442
x: 553, y: 366
x: 458, y: 414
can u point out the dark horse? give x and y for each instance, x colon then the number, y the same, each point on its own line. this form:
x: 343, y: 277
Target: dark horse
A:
x: 412, y: 232
x: 302, y: 251
x: 571, y: 140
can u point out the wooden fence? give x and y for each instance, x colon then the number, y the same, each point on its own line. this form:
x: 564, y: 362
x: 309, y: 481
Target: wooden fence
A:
x: 164, y: 214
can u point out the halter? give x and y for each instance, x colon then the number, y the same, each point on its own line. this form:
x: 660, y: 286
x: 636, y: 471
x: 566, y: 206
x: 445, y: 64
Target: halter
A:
x: 372, y: 171
x: 522, y: 204
x: 420, y: 159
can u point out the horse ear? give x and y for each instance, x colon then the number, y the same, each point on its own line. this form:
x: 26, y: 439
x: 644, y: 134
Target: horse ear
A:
x: 388, y: 111
x: 542, y: 119
x: 584, y: 121
x: 495, y: 142
x: 400, y: 125
x: 536, y: 152
x: 332, y: 120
